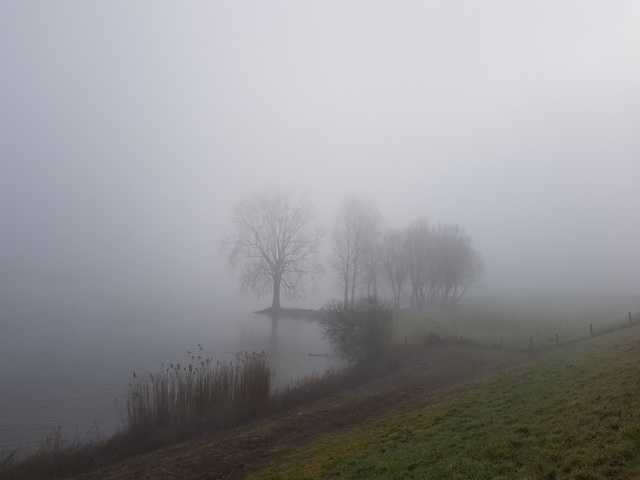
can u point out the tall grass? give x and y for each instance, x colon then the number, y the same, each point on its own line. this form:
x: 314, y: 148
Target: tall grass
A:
x: 203, y: 392
x: 52, y: 458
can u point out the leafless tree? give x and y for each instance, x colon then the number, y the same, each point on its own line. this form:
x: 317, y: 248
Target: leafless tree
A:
x: 354, y: 236
x: 441, y: 263
x: 372, y: 270
x: 418, y: 258
x: 274, y: 244
x: 458, y: 266
x: 393, y: 261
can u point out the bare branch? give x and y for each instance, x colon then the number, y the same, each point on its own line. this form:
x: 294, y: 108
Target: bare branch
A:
x: 273, y: 244
x: 354, y: 237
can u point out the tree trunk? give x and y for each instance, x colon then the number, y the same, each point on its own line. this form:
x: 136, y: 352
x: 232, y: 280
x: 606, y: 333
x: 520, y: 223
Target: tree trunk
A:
x: 276, y: 292
x: 445, y: 294
x: 346, y: 290
x: 353, y: 285
x: 395, y: 295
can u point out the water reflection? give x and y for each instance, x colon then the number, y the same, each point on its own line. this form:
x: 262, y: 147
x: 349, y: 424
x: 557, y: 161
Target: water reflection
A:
x: 70, y: 373
x: 273, y: 338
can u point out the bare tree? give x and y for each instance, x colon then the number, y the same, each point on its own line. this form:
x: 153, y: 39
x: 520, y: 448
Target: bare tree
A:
x: 372, y: 270
x: 418, y: 257
x: 355, y: 233
x: 441, y: 263
x: 458, y: 266
x: 274, y: 244
x: 393, y: 260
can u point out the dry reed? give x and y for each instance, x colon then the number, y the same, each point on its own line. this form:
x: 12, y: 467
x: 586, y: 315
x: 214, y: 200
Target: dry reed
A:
x: 204, y: 392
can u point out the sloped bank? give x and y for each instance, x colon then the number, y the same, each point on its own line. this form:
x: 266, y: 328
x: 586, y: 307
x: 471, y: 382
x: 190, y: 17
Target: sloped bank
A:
x: 569, y: 413
x: 430, y: 375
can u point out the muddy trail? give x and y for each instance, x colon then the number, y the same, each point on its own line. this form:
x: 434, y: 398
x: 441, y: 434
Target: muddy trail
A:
x: 431, y: 374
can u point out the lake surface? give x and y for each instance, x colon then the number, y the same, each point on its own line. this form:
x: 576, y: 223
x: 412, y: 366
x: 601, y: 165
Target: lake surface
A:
x: 72, y: 369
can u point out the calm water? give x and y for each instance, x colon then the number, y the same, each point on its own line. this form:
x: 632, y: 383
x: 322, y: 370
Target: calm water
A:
x: 72, y: 370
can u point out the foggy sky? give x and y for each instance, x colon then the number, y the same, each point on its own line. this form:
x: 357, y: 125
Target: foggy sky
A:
x: 129, y: 129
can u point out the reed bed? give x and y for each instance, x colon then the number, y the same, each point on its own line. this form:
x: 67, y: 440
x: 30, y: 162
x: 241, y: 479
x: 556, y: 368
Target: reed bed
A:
x: 54, y: 457
x: 204, y: 391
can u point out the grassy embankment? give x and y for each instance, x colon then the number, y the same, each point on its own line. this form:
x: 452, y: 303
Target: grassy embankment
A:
x: 571, y: 412
x: 508, y: 327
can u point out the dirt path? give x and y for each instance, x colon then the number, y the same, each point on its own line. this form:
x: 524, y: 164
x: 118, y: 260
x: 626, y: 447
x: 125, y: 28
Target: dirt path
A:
x: 235, y: 453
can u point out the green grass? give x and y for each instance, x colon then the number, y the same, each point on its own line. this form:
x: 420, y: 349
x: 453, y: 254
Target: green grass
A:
x: 571, y: 412
x: 507, y: 327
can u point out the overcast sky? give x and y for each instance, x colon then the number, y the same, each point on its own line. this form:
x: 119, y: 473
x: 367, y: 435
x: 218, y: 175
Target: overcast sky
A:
x: 129, y: 129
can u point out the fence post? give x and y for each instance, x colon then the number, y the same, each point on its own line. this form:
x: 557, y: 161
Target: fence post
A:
x: 501, y: 341
x: 629, y: 318
x: 591, y: 329
x: 557, y: 343
x: 530, y: 343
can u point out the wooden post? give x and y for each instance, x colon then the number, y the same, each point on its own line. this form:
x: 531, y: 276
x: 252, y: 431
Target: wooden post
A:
x: 557, y: 343
x: 629, y: 318
x: 591, y: 329
x: 531, y: 344
x: 501, y: 341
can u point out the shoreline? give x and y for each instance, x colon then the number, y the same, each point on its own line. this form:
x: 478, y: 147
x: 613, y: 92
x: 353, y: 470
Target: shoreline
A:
x: 247, y: 448
x: 296, y: 313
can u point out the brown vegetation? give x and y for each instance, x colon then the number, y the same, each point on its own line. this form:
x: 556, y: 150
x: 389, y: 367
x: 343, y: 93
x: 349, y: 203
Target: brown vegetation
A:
x: 361, y: 330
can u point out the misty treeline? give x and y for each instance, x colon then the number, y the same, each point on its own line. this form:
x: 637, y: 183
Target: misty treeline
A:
x: 274, y: 245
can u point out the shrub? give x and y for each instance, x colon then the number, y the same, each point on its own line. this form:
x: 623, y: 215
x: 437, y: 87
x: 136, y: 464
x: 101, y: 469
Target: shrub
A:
x: 360, y: 332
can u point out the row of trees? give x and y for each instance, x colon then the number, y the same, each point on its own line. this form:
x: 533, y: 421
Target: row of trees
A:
x: 274, y: 246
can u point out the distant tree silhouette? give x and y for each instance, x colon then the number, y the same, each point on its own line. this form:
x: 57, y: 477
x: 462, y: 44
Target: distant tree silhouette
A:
x: 440, y: 262
x: 355, y: 233
x: 273, y: 244
x: 392, y: 254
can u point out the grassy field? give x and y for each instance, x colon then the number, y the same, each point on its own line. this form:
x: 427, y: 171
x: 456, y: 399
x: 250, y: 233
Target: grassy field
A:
x: 569, y: 412
x: 516, y: 328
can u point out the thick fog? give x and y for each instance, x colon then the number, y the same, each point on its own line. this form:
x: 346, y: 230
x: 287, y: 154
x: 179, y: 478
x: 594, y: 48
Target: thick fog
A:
x: 128, y: 130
